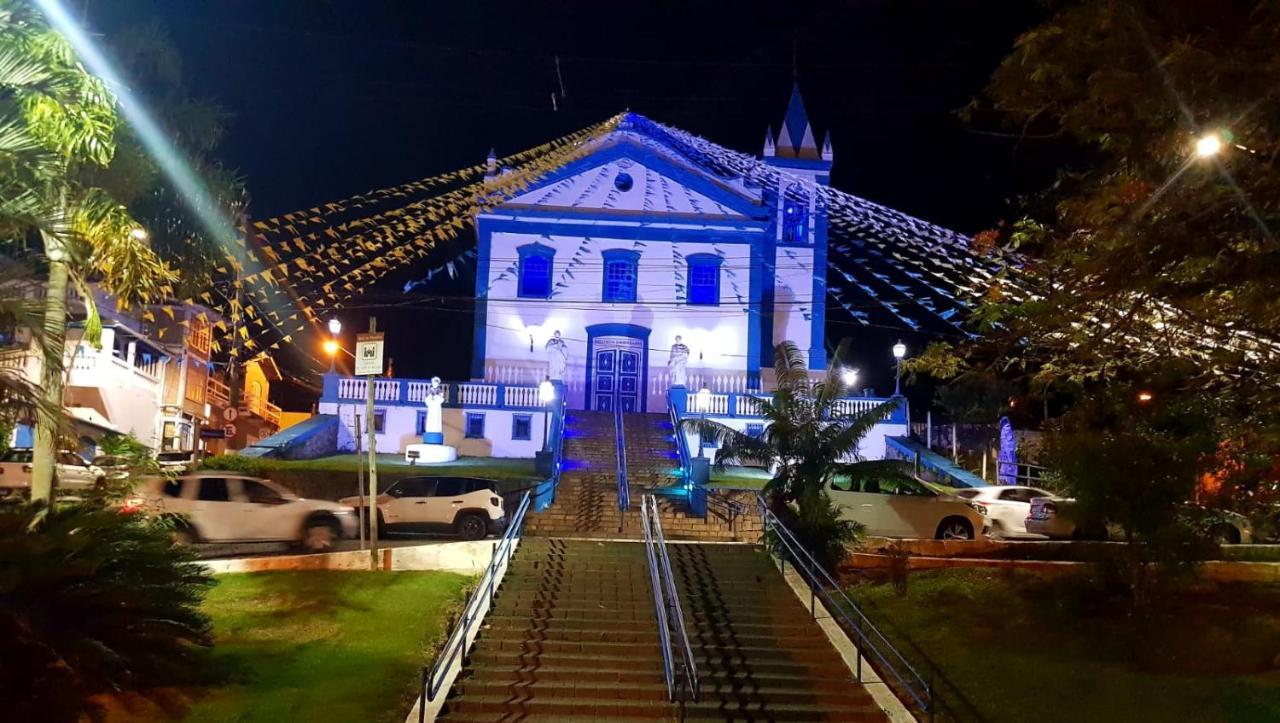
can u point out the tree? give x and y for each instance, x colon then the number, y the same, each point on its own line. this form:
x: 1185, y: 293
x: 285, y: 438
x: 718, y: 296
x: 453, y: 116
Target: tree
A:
x: 92, y: 601
x: 810, y: 437
x: 56, y: 120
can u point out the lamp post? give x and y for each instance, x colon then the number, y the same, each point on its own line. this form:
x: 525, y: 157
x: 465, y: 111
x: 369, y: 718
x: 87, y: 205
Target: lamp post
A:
x: 899, y: 351
x: 331, y: 345
x: 703, y: 398
x: 546, y: 395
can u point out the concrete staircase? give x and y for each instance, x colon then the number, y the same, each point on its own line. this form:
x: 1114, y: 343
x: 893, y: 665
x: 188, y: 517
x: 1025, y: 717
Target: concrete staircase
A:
x: 586, y: 504
x: 760, y: 654
x: 572, y: 637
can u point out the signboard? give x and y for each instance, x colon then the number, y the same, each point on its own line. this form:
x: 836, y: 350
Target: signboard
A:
x: 229, y: 429
x: 210, y: 433
x: 230, y: 413
x: 369, y: 354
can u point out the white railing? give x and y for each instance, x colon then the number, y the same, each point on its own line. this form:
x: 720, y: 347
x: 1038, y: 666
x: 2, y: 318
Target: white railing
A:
x: 850, y: 406
x: 384, y: 390
x: 521, y: 397
x: 418, y: 391
x: 485, y: 395
x: 749, y: 406
x: 709, y: 403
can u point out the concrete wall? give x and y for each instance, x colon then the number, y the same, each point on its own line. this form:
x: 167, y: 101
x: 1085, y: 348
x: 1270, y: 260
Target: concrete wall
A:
x: 400, y: 430
x: 872, y: 446
x: 467, y: 558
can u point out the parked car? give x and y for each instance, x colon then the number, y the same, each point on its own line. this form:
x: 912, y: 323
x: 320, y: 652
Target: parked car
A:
x: 469, y: 507
x: 176, y: 461
x: 1052, y: 517
x: 905, y: 507
x: 70, y: 472
x: 222, y: 507
x: 113, y: 466
x: 1004, y: 508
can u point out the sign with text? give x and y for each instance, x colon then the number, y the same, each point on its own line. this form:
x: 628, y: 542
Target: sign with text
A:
x: 369, y: 354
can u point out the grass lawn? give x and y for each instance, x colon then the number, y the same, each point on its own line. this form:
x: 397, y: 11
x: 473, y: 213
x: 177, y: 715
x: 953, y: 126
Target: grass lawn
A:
x: 740, y: 477
x: 321, y: 646
x: 1015, y: 647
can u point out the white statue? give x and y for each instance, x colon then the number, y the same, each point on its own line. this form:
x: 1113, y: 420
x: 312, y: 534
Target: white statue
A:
x: 557, y: 357
x: 677, y: 363
x: 433, y: 426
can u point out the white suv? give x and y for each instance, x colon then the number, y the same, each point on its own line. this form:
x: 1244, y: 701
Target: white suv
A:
x: 70, y: 473
x: 222, y: 507
x: 904, y: 507
x: 463, y: 505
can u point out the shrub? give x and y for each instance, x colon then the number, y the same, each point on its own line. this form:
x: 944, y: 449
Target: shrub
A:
x: 92, y: 601
x: 817, y: 526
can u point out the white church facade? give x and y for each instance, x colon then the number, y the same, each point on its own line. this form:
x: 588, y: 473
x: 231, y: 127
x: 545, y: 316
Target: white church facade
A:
x: 609, y: 263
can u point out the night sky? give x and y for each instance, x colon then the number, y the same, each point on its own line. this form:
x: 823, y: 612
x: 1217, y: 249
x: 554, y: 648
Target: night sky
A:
x: 329, y: 99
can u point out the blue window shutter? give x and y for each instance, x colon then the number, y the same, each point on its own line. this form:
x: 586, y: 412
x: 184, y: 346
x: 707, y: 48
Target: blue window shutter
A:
x: 475, y: 425
x: 703, y: 279
x: 620, y: 274
x: 536, y: 264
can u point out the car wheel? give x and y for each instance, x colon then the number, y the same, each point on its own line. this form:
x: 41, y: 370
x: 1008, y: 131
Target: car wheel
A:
x: 955, y: 528
x: 100, y: 483
x: 1225, y: 534
x: 184, y: 535
x: 319, y: 536
x: 472, y: 527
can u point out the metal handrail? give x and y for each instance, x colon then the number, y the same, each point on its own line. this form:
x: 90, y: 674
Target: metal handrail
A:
x: 667, y: 605
x: 866, y: 634
x: 624, y: 486
x: 433, y: 675
x: 682, y: 444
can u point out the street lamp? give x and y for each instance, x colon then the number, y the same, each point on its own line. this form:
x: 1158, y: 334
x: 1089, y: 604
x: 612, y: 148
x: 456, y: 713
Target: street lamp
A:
x: 899, y: 351
x: 703, y: 398
x: 331, y: 345
x: 138, y: 233
x: 546, y: 395
x: 1209, y: 145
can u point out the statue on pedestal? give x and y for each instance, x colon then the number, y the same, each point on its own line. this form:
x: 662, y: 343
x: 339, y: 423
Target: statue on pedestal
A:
x: 557, y: 357
x: 433, y: 426
x: 678, y: 363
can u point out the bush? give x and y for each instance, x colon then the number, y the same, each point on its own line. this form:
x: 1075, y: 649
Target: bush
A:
x: 817, y: 526
x: 92, y: 601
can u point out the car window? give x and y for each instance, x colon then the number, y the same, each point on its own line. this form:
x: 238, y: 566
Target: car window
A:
x: 968, y: 494
x: 71, y: 459
x: 448, y: 487
x: 1015, y: 495
x: 477, y: 485
x: 414, y: 487
x: 843, y: 484
x: 259, y: 493
x: 22, y: 456
x: 173, y: 488
x: 213, y: 489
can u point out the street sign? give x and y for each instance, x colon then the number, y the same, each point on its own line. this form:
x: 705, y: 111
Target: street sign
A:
x: 230, y: 413
x: 212, y: 433
x: 369, y: 354
x: 229, y: 429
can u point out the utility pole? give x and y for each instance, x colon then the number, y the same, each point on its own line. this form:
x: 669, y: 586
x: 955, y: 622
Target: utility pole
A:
x: 373, y: 459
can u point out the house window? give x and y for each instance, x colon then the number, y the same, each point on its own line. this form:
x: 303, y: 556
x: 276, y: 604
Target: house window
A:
x: 704, y: 279
x: 620, y: 275
x: 795, y: 218
x: 420, y: 426
x: 535, y: 271
x: 521, y: 427
x: 755, y: 430
x: 475, y: 426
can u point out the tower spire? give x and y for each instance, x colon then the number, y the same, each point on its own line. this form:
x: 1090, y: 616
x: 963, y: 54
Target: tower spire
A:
x: 769, y: 148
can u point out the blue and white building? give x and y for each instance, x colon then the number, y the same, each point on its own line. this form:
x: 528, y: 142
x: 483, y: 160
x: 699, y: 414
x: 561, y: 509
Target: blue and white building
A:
x: 652, y: 236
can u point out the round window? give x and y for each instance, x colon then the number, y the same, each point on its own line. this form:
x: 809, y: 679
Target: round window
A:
x: 623, y: 182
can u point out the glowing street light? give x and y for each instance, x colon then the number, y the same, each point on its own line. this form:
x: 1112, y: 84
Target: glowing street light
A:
x: 899, y: 351
x: 331, y: 344
x: 546, y: 391
x: 335, y: 326
x: 850, y: 377
x: 546, y: 395
x: 1209, y: 145
x: 138, y: 233
x: 1145, y: 397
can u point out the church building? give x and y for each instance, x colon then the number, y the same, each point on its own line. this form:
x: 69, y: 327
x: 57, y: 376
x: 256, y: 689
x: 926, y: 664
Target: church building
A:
x: 605, y: 268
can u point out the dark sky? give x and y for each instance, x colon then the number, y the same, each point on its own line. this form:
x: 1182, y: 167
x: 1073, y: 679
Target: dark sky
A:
x: 329, y: 99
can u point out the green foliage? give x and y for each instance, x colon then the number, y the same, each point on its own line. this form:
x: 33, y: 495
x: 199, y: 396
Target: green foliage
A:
x: 92, y: 601
x: 817, y: 526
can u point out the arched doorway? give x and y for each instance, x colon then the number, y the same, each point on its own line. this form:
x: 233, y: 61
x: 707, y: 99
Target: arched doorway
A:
x: 617, y: 367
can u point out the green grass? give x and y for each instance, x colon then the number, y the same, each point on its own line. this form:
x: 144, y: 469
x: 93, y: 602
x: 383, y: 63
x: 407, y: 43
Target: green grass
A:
x: 740, y: 477
x: 321, y: 646
x: 1017, y: 647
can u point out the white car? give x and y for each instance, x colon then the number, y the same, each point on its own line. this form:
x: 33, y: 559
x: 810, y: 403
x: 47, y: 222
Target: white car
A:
x: 1004, y: 508
x: 222, y: 507
x: 176, y: 461
x: 469, y: 507
x: 1051, y: 516
x: 905, y: 508
x: 70, y: 472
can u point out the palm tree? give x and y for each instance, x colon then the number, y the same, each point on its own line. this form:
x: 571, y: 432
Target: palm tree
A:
x: 809, y: 439
x: 56, y: 120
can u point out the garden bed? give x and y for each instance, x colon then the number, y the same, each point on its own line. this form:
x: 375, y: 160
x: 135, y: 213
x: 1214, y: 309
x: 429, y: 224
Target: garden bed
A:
x: 1012, y: 646
x: 312, y: 646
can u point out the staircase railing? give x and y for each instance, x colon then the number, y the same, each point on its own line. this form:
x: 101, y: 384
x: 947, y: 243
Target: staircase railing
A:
x: 624, y: 486
x: 681, y: 675
x: 884, y: 656
x: 442, y: 669
x: 697, y: 492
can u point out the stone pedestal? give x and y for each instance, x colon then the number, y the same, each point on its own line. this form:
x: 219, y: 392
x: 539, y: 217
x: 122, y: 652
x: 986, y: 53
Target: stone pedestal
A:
x: 429, y: 453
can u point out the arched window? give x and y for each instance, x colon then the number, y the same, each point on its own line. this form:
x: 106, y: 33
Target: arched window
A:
x: 704, y: 279
x: 795, y: 217
x: 620, y: 275
x: 536, y: 261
